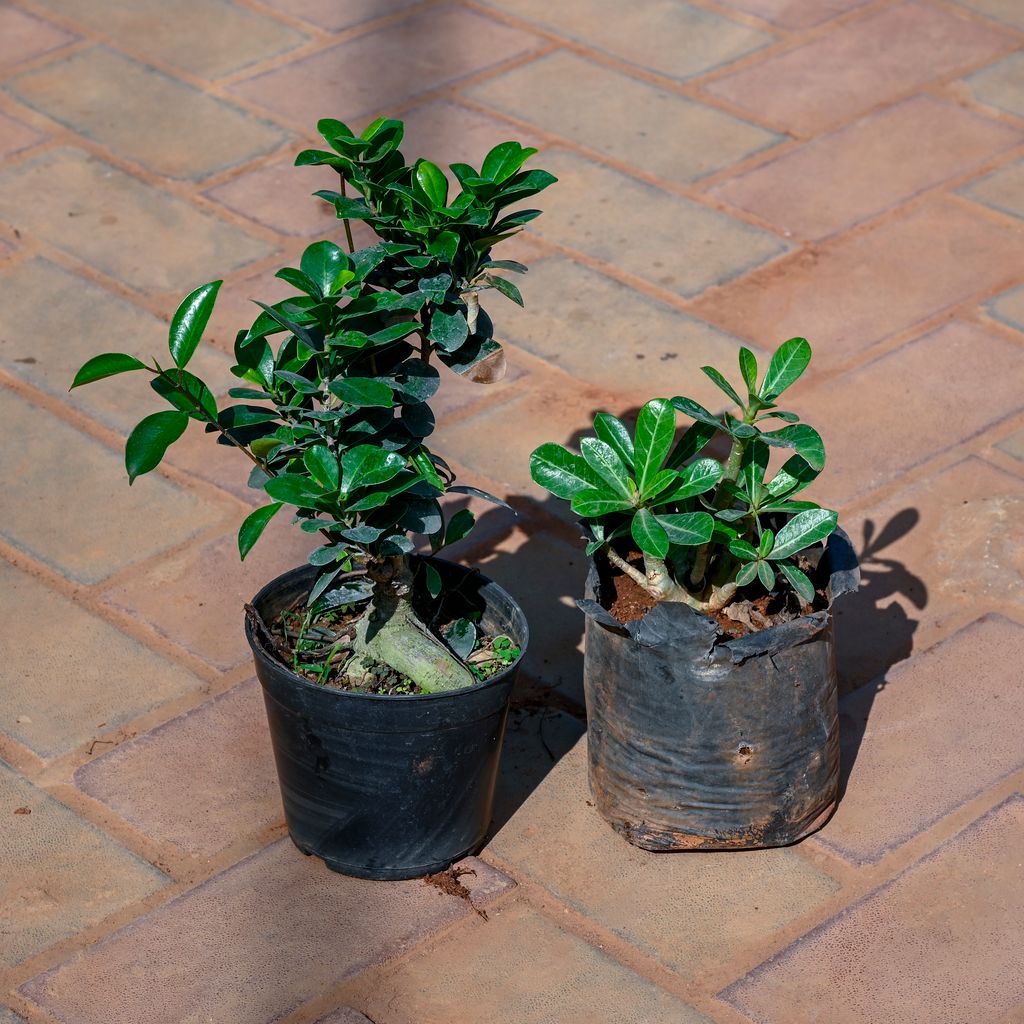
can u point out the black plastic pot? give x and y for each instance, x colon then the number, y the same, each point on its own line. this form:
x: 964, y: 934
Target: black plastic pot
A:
x: 699, y: 742
x: 380, y: 786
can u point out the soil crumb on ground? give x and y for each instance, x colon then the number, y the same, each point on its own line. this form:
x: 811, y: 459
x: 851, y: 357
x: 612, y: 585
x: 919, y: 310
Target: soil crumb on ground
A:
x: 448, y: 882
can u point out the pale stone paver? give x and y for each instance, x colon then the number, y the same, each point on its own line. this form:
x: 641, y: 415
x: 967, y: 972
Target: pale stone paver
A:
x: 732, y: 172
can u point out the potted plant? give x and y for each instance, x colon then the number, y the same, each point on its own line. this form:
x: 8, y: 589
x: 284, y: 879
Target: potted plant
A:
x: 709, y: 669
x: 386, y: 675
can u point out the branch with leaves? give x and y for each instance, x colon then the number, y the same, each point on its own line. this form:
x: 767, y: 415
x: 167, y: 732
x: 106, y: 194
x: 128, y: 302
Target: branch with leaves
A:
x: 705, y: 528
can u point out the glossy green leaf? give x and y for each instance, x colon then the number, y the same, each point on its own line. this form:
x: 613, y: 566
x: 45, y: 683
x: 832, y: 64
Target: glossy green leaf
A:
x: 687, y: 528
x: 743, y: 549
x: 459, y: 526
x: 694, y: 440
x: 766, y: 574
x: 655, y: 431
x: 613, y: 432
x: 432, y: 578
x: 448, y: 330
x: 698, y: 477
x: 432, y: 180
x: 603, y: 460
x: 253, y: 526
x: 476, y: 492
x: 593, y: 502
x: 561, y: 472
x: 801, y: 437
x: 186, y: 392
x: 324, y: 264
x: 504, y: 160
x: 787, y: 364
x: 322, y: 464
x: 688, y: 407
x: 723, y: 384
x: 766, y: 543
x: 150, y: 439
x: 753, y: 467
x: 507, y: 288
x: 294, y: 489
x: 363, y: 392
x: 798, y: 581
x: 106, y: 365
x: 445, y: 246
x: 658, y: 485
x: 792, y: 478
x: 367, y: 465
x: 746, y: 574
x: 189, y: 322
x: 345, y: 207
x: 803, y: 530
x: 649, y: 534
x: 748, y: 370
x: 461, y: 638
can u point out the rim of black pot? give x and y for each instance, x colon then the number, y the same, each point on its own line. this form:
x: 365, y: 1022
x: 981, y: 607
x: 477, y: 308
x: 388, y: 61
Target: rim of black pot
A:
x: 260, y: 651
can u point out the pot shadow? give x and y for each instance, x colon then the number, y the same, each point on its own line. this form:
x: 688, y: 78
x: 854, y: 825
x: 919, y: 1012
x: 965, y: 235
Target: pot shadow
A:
x: 874, y: 630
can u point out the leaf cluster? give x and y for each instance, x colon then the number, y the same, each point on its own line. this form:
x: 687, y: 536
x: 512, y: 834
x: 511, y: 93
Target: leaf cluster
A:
x: 706, y: 527
x: 333, y: 385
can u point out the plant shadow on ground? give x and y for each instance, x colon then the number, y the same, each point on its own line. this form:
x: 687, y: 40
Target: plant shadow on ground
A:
x: 874, y: 630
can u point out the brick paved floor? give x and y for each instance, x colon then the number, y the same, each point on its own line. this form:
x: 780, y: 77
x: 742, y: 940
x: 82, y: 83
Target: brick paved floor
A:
x: 732, y: 171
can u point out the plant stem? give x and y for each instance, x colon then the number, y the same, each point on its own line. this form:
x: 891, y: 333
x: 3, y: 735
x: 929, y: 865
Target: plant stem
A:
x: 348, y: 227
x: 207, y: 418
x: 634, y: 574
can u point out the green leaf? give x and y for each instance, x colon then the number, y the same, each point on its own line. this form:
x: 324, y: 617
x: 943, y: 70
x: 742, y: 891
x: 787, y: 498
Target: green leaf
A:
x: 324, y: 264
x: 607, y: 465
x: 753, y: 467
x: 787, y: 364
x: 696, y: 478
x: 461, y: 638
x: 186, y: 392
x: 294, y: 489
x: 658, y: 484
x: 688, y: 407
x: 504, y: 160
x: 322, y: 464
x: 150, y: 439
x: 459, y: 526
x: 798, y: 581
x: 445, y: 246
x: 723, y: 384
x: 448, y: 330
x: 297, y: 279
x: 805, y: 439
x: 424, y: 464
x: 106, y: 365
x: 746, y: 574
x: 593, y: 502
x: 303, y: 385
x: 766, y: 574
x: 367, y: 465
x: 802, y: 531
x: 507, y: 288
x: 743, y: 549
x: 344, y: 207
x: 765, y: 546
x: 561, y: 472
x: 189, y: 322
x: 793, y: 477
x: 363, y: 392
x: 695, y: 439
x: 748, y: 370
x: 687, y: 528
x: 476, y: 492
x: 431, y: 179
x: 649, y: 534
x: 433, y: 581
x: 253, y: 526
x: 613, y: 432
x: 655, y: 430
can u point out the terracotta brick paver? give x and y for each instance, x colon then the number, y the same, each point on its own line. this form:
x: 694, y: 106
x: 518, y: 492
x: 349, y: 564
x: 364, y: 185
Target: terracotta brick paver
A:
x: 732, y: 172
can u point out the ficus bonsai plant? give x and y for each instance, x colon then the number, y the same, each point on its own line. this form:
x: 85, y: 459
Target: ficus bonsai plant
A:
x: 696, y: 739
x: 332, y: 410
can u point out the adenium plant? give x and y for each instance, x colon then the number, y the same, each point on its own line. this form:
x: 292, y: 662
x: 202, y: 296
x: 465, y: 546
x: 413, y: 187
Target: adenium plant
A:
x: 705, y: 528
x: 332, y: 408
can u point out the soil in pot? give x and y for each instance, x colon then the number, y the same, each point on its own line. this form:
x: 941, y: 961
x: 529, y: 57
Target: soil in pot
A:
x: 316, y: 643
x: 751, y: 611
